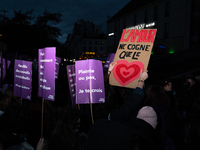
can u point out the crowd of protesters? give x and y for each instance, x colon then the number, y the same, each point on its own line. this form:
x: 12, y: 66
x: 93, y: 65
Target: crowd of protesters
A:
x: 153, y: 117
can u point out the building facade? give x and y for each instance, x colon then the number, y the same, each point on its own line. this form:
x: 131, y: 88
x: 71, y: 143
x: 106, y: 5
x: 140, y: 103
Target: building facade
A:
x: 87, y: 38
x: 177, y: 23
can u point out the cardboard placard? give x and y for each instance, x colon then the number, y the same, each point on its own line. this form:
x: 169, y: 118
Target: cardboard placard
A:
x: 132, y: 56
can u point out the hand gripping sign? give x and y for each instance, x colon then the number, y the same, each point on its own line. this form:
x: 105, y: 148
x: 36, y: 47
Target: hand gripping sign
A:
x: 132, y: 56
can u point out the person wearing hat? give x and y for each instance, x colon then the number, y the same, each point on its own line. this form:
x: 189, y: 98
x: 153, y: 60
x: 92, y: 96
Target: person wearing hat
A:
x: 129, y: 126
x: 137, y: 133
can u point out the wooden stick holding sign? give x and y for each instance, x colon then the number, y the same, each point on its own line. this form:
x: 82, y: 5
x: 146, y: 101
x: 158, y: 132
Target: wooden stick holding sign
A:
x: 46, y: 76
x: 91, y: 113
x: 89, y: 83
x: 42, y: 118
x: 132, y: 56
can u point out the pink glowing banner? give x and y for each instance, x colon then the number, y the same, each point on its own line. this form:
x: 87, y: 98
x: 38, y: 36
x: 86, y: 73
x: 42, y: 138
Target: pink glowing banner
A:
x: 46, y: 73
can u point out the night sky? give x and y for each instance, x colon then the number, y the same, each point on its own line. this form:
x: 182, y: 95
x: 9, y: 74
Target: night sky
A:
x: 72, y: 10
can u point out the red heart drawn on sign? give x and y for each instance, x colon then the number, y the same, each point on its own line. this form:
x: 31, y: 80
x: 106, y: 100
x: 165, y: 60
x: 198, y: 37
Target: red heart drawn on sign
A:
x: 125, y: 72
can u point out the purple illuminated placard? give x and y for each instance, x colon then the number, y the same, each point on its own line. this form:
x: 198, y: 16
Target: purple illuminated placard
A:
x: 1, y: 69
x: 89, y: 82
x: 22, y: 79
x: 46, y: 73
x: 58, y: 61
x: 8, y: 63
x: 71, y: 72
x: 109, y: 59
x: 4, y: 68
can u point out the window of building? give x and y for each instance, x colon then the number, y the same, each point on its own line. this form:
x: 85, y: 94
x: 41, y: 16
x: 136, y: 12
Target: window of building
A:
x: 84, y: 49
x: 96, y: 42
x: 95, y: 49
x: 115, y: 26
x: 134, y: 20
x: 146, y: 16
x: 84, y: 42
x: 166, y: 30
x: 156, y: 13
x: 101, y: 48
x: 124, y: 27
x: 90, y: 49
x: 90, y: 42
x: 167, y: 9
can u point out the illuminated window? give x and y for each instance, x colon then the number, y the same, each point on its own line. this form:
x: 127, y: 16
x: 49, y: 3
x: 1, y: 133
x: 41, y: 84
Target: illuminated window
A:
x: 167, y: 9
x: 171, y: 51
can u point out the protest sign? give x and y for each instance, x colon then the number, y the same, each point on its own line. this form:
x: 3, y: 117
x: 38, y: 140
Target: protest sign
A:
x: 109, y: 60
x: 1, y: 69
x: 58, y: 61
x: 4, y: 68
x: 46, y: 73
x: 8, y: 64
x: 71, y: 72
x: 22, y: 79
x: 132, y: 56
x: 89, y: 82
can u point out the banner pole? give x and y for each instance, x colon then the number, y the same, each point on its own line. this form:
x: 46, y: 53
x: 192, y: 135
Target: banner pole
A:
x: 91, y: 113
x: 42, y: 118
x: 20, y: 101
x: 78, y: 106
